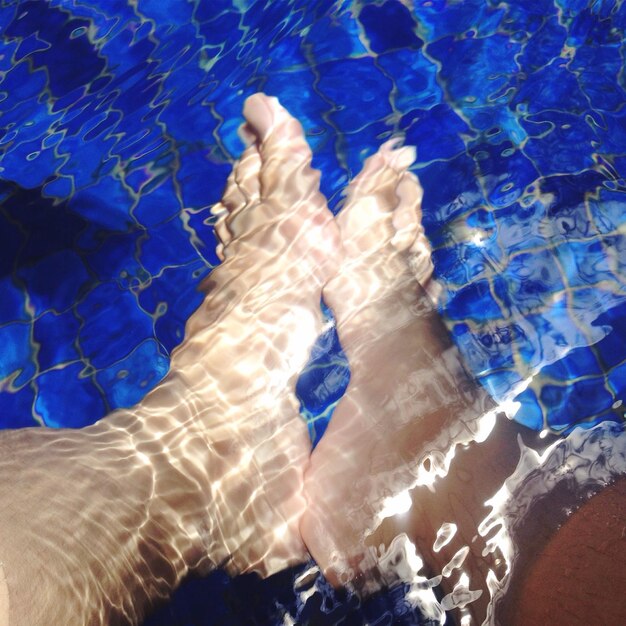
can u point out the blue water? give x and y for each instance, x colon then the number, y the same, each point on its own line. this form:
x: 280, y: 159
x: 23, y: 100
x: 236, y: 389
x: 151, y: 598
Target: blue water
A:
x: 117, y: 132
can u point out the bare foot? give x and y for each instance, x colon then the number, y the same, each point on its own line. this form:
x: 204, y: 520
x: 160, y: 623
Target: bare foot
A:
x: 409, y: 400
x: 249, y: 340
x: 414, y: 462
x: 409, y: 404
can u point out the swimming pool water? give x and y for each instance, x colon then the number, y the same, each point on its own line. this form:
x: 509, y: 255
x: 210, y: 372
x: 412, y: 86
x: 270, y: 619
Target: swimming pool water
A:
x: 118, y: 128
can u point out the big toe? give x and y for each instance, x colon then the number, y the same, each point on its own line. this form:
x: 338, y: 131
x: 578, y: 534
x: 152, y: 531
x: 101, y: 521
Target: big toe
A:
x: 289, y: 199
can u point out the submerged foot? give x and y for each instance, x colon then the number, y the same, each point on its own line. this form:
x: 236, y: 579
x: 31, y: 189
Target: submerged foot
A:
x: 233, y: 378
x: 409, y: 401
x: 414, y: 461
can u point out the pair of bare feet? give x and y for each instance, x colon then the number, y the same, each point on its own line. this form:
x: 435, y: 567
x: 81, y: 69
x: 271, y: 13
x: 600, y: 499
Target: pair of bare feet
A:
x: 409, y: 402
x: 213, y: 468
x: 382, y: 482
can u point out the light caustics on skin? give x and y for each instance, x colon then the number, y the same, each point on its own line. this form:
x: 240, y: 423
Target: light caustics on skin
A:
x: 208, y: 469
x: 587, y: 459
x: 252, y: 336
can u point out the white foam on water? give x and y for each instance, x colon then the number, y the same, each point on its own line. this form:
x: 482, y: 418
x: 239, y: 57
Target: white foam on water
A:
x: 445, y: 535
x: 401, y: 564
x: 455, y: 562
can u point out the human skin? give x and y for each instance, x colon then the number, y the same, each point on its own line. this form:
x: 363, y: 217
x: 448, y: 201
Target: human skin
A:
x: 99, y: 524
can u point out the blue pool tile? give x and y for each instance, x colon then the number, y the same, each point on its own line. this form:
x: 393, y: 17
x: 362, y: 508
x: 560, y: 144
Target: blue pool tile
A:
x: 415, y: 79
x: 612, y: 131
x: 534, y: 278
x: 608, y: 210
x: 335, y: 175
x: 159, y: 204
x: 12, y: 239
x: 45, y: 228
x: 24, y: 84
x: 544, y: 44
x: 598, y: 69
x: 552, y: 87
x: 103, y: 337
x: 438, y: 18
x: 436, y: 132
x: 60, y: 187
x: 591, y: 262
x: 475, y: 70
x: 612, y: 349
x: 530, y: 412
x: 12, y: 302
x: 18, y: 353
x: 506, y: 172
x: 617, y: 383
x: 559, y: 143
x: 389, y: 26
x: 568, y: 194
x: 170, y: 298
x: 32, y: 162
x: 16, y: 408
x: 354, y: 109
x: 468, y: 264
x: 325, y: 379
x: 356, y: 147
x: 55, y: 282
x: 576, y: 363
x: 497, y: 124
x: 336, y: 37
x: 114, y: 257
x: 162, y: 11
x: 502, y: 385
x: 129, y: 379
x: 167, y: 244
x: 585, y: 27
x: 82, y: 407
x: 476, y: 301
x: 584, y: 397
x: 450, y: 190
x: 70, y: 61
x: 520, y: 227
x: 572, y: 7
x: 55, y: 335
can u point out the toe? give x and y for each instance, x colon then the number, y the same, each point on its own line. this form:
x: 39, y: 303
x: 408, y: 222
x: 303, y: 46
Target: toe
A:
x: 406, y: 216
x: 384, y: 203
x: 244, y: 192
x: 287, y: 178
x: 236, y: 195
x: 221, y: 231
x: 260, y: 113
x: 242, y: 188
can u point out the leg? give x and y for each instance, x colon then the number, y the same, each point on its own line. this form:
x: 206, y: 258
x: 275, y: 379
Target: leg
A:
x: 97, y: 525
x: 414, y: 454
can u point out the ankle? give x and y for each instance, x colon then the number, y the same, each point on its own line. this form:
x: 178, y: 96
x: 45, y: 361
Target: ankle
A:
x: 169, y: 457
